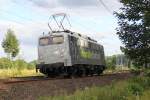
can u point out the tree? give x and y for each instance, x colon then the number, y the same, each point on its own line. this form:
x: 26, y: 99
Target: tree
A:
x: 134, y: 30
x: 111, y: 62
x: 5, y: 63
x: 11, y: 44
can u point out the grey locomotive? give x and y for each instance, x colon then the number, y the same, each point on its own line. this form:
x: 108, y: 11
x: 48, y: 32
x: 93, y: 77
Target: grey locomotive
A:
x: 69, y: 53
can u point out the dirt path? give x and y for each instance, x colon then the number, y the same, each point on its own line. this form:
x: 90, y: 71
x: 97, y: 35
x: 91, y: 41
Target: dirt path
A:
x: 34, y: 89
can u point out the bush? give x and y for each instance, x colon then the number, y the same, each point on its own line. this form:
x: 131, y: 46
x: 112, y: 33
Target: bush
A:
x: 143, y: 82
x: 135, y: 89
x: 147, y: 73
x: 111, y: 62
x: 5, y: 63
x: 32, y: 64
x: 17, y: 64
x: 135, y: 71
x: 20, y: 64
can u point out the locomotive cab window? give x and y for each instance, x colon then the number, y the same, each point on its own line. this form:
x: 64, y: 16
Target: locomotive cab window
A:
x: 44, y: 41
x: 51, y: 40
x: 58, y: 39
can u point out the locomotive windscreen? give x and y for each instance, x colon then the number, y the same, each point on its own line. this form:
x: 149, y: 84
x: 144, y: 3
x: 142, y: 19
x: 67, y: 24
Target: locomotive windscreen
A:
x: 51, y: 40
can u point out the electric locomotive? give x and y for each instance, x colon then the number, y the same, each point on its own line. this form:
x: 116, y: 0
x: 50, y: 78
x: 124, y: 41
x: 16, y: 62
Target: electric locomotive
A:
x: 69, y: 53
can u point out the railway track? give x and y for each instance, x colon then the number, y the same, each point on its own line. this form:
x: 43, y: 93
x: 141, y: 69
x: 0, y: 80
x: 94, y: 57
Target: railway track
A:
x: 25, y: 79
x: 34, y: 86
x: 42, y: 78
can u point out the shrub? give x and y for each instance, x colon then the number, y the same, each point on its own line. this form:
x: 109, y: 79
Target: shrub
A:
x: 5, y: 63
x: 147, y: 73
x: 135, y: 71
x: 32, y: 64
x: 135, y: 89
x: 20, y: 64
x: 111, y: 62
x: 17, y: 64
x: 142, y: 81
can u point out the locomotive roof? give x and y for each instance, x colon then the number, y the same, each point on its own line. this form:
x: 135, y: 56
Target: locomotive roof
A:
x: 75, y: 34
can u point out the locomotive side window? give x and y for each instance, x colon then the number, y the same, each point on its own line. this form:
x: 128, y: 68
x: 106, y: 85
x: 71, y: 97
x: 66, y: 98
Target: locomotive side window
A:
x: 83, y: 43
x: 86, y: 44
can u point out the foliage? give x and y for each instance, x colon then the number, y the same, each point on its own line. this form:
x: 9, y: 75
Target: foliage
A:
x: 125, y: 90
x: 13, y: 72
x: 19, y: 67
x: 111, y: 62
x: 11, y: 44
x: 135, y: 71
x: 145, y: 96
x: 19, y: 64
x: 32, y: 64
x: 147, y: 72
x: 5, y: 63
x: 134, y: 30
x: 135, y: 89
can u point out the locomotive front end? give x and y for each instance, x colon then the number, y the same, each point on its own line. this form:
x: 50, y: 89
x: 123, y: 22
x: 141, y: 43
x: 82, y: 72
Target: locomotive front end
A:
x: 50, y: 52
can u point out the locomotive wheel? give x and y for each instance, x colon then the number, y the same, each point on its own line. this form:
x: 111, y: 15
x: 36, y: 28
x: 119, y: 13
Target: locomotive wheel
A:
x: 80, y: 73
x: 91, y: 73
x: 70, y: 72
x: 51, y: 72
x: 99, y: 72
x: 84, y: 72
x: 87, y: 71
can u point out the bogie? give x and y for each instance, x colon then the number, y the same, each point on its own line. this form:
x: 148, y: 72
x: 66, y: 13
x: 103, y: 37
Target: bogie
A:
x: 72, y: 71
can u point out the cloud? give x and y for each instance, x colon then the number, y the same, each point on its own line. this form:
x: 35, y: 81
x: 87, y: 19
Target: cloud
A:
x: 78, y: 3
x: 64, y: 3
x: 76, y: 6
x: 45, y: 3
x: 73, y: 3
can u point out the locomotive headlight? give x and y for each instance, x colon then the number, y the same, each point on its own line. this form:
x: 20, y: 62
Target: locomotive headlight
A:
x: 62, y: 52
x: 59, y: 52
x: 61, y: 55
x: 56, y: 52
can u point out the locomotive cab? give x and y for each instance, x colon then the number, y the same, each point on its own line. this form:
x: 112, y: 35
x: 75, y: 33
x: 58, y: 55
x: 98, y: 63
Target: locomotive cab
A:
x: 69, y: 53
x: 51, y: 51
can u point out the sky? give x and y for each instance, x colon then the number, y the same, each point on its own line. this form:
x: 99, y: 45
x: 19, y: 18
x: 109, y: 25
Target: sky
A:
x: 29, y: 18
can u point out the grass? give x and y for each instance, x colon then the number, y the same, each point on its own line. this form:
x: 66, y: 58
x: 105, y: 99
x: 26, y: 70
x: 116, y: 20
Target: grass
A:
x: 132, y: 89
x: 137, y: 88
x: 6, y: 73
x: 14, y: 72
x: 117, y: 70
x: 145, y: 96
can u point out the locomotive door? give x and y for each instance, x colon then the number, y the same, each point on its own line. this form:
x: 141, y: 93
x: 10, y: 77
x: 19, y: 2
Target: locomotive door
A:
x: 73, y: 48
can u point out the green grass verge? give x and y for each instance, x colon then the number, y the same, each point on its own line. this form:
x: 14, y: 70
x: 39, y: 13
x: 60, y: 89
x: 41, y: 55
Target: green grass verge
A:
x: 133, y: 89
x: 6, y: 73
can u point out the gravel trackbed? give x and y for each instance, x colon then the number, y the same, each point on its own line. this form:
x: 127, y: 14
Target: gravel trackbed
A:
x: 32, y: 90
